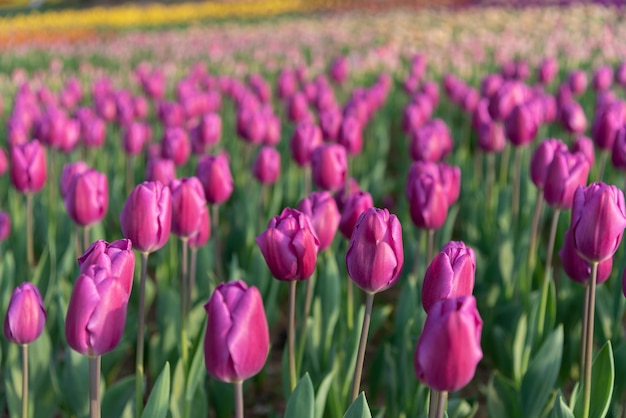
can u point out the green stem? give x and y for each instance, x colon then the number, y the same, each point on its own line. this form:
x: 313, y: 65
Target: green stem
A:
x: 192, y: 272
x: 431, y: 246
x: 534, y: 230
x: 219, y: 268
x: 490, y: 178
x: 603, y: 158
x: 94, y: 387
x: 583, y: 338
x: 85, y: 238
x: 24, y: 380
x: 504, y: 165
x: 478, y: 166
x: 30, y: 250
x: 589, y: 341
x: 433, y: 401
x: 140, y: 336
x: 291, y: 334
x: 238, y: 399
x: 546, y: 276
x: 358, y: 369
x: 517, y: 174
x: 420, y: 239
x: 350, y: 305
x: 310, y: 286
x: 184, y: 297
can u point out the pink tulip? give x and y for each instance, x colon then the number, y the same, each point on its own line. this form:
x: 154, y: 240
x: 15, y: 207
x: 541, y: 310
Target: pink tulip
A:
x: 329, y: 166
x: 87, y: 198
x: 565, y: 174
x: 116, y: 257
x: 577, y: 268
x: 26, y: 315
x: 541, y: 159
x: 188, y: 206
x: 305, y: 139
x: 266, y: 168
x: 176, y: 145
x: 204, y: 233
x: 356, y: 203
x: 28, y: 167
x: 135, y: 136
x: 322, y: 211
x: 214, y: 174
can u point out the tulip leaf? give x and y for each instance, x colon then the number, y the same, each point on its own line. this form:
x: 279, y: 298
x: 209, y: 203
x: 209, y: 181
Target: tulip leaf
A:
x: 118, y: 399
x: 460, y: 408
x: 540, y: 378
x: 502, y: 397
x: 560, y: 408
x: 159, y: 399
x: 521, y: 350
x: 75, y: 374
x: 359, y: 408
x: 322, y: 394
x: 301, y: 403
x: 197, y: 371
x: 602, y: 380
x: 506, y: 261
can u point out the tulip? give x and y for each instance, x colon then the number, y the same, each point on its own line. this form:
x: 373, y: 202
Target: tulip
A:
x: 272, y: 130
x: 520, y: 125
x: 4, y: 162
x: 449, y: 275
x: 87, y: 198
x: 329, y: 166
x: 448, y: 349
x: 67, y: 176
x: 577, y: 81
x: 188, y: 203
x: 431, y: 142
x: 491, y: 137
x: 305, y: 139
x: 203, y: 235
x: 117, y: 258
x: 355, y: 204
x: 209, y: 131
x: 214, y: 174
x: 339, y: 70
x: 5, y: 226
x: 606, y: 123
x: 566, y: 172
x: 573, y: 117
x: 618, y: 155
x: 578, y: 269
x: 324, y: 216
x: 548, y: 70
x: 351, y: 135
x: 266, y: 168
x: 253, y: 126
x: 428, y: 201
x: 176, y: 145
x: 297, y: 107
x: 26, y: 315
x: 171, y: 114
x: 602, y: 78
x: 28, y: 167
x: 541, y: 159
x: 161, y: 170
x: 135, y: 136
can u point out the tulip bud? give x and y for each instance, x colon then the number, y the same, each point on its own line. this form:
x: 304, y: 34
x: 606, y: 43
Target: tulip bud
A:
x: 322, y: 211
x: 135, y: 136
x: 520, y: 125
x: 602, y: 78
x: 96, y: 315
x: 87, y: 199
x: 618, y: 156
x: 188, y: 204
x: 606, y: 123
x: 147, y: 216
x: 67, y: 176
x: 214, y: 174
x: 577, y: 268
x: 351, y: 135
x: 577, y: 80
x: 28, y: 167
x: 329, y: 165
x: 209, y: 130
x: 566, y: 172
x: 26, y: 315
x: 160, y: 169
x: 330, y: 123
x: 573, y: 117
x: 339, y: 70
x: 547, y: 70
x: 431, y: 142
x: 237, y: 339
x: 428, y: 200
x: 176, y: 145
x: 117, y: 258
x: 584, y: 145
x: 450, y: 274
x: 598, y: 221
x: 355, y: 204
x: 375, y: 256
x: 266, y: 168
x: 171, y: 114
x: 491, y: 137
x: 305, y: 139
x: 541, y: 159
x: 449, y: 349
x: 289, y: 246
x: 272, y: 130
x: 203, y: 235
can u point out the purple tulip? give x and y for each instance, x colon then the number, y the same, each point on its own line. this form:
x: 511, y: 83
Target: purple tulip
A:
x: 305, y: 139
x: 329, y: 166
x: 520, y: 125
x: 209, y: 131
x: 491, y: 137
x: 236, y: 344
x: 176, y: 145
x: 67, y: 175
x: 214, y: 174
x: 96, y: 315
x: 339, y: 69
x: 428, y: 200
x: 602, y: 78
x: 147, y: 216
x: 375, y: 256
x: 547, y: 70
x: 450, y: 274
x: 272, y: 130
x: 577, y: 80
x: 204, y: 233
x: 26, y: 315
x: 618, y: 155
x: 116, y: 257
x: 5, y: 225
x: 598, y: 221
x: 576, y: 267
x: 297, y: 107
x: 449, y: 349
x: 356, y: 203
x: 431, y: 142
x: 541, y: 159
x: 324, y: 215
x: 584, y: 145
x: 289, y: 246
x: 28, y: 167
x: 351, y: 135
x: 87, y: 199
x: 330, y: 123
x: 188, y: 205
x: 566, y: 172
x: 136, y: 134
x: 171, y: 114
x: 266, y: 168
x: 606, y: 123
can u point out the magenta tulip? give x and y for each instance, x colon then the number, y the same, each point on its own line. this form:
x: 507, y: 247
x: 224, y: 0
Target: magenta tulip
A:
x: 188, y: 206
x: 266, y: 168
x: 305, y: 139
x: 428, y: 200
x: 322, y: 211
x: 176, y: 145
x: 585, y: 146
x: 491, y: 137
x: 548, y: 69
x: 541, y: 159
x: 28, y: 167
x: 329, y: 166
x: 351, y: 135
x: 578, y: 269
x: 573, y: 117
x: 236, y: 344
x: 214, y: 174
x: 87, y: 199
x: 26, y: 315
x: 160, y: 169
x: 577, y: 81
x: 135, y: 136
x: 203, y: 235
x: 520, y: 125
x: 566, y: 172
x: 602, y: 78
x: 67, y: 176
x: 356, y: 203
x: 116, y: 257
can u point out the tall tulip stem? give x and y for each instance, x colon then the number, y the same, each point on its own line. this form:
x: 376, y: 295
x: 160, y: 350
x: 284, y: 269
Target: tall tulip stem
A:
x: 505, y: 156
x: 517, y: 174
x: 140, y: 336
x: 350, y: 305
x: 238, y: 386
x: 30, y: 250
x: 588, y: 342
x: 193, y: 261
x: 184, y: 300
x: 219, y: 269
x: 534, y: 230
x: 291, y: 338
x: 583, y: 338
x: 24, y: 380
x: 441, y: 403
x: 94, y: 387
x: 85, y: 238
x: 358, y: 368
x: 490, y: 178
x: 603, y: 158
x: 431, y: 246
x: 546, y: 275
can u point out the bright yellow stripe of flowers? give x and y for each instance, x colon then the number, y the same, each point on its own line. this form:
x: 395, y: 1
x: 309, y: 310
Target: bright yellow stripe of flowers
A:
x: 128, y: 16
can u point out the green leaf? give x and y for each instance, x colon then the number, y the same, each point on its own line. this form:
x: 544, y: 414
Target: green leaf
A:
x: 75, y: 374
x: 520, y: 349
x: 301, y: 403
x: 322, y: 394
x: 602, y: 380
x: 502, y: 397
x: 159, y: 399
x: 560, y: 408
x: 118, y: 397
x: 540, y: 378
x: 197, y: 371
x: 359, y: 408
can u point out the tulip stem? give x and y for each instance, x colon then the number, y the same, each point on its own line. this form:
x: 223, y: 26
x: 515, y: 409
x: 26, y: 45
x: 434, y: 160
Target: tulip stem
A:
x: 140, y: 337
x: 219, y: 269
x: 358, y: 368
x: 490, y: 178
x: 192, y: 271
x: 94, y: 387
x: 431, y: 246
x: 350, y: 305
x: 534, y: 230
x: 310, y: 286
x: 307, y: 180
x: 30, y: 251
x: 516, y: 182
x: 24, y: 380
x: 546, y: 275
x: 589, y: 340
x: 291, y: 334
x: 441, y: 403
x: 478, y: 166
x: 238, y: 398
x: 583, y: 338
x: 504, y: 165
x: 603, y: 158
x: 85, y: 238
x: 183, y: 303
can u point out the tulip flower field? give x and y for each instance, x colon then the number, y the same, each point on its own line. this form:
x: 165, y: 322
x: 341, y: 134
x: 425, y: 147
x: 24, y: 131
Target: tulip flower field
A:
x: 363, y: 213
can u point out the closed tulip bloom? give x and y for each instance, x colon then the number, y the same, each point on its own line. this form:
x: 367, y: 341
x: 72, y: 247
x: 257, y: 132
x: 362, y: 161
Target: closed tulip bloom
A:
x: 289, y: 246
x: 237, y: 339
x: 330, y: 123
x: 96, y: 315
x: 176, y: 145
x: 67, y: 175
x: 448, y: 349
x: 618, y: 156
x: 573, y: 117
x: 375, y: 256
x: 341, y: 195
x: 136, y: 134
x: 520, y: 125
x: 93, y: 132
x: 577, y: 268
x: 324, y: 215
x: 541, y: 159
x: 87, y: 199
x: 116, y: 257
x: 297, y: 107
x: 491, y: 137
x: 214, y: 174
x: 598, y: 221
x: 356, y: 203
x: 329, y: 165
x: 209, y: 131
x: 28, y: 167
x: 428, y: 201
x: 171, y: 114
x: 602, y: 78
x: 5, y: 226
x: 272, y: 130
x: 451, y: 274
x: 351, y: 135
x: 26, y: 315
x: 188, y: 204
x: 547, y: 70
x: 339, y: 70
x: 204, y: 233
x: 147, y: 216
x: 606, y: 123
x: 577, y: 81
x: 566, y: 172
x: 266, y: 168
x: 584, y: 145
x: 431, y: 142
x: 305, y: 139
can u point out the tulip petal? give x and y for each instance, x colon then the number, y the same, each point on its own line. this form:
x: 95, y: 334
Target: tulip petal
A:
x: 216, y: 357
x: 106, y: 324
x: 84, y: 299
x: 283, y: 264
